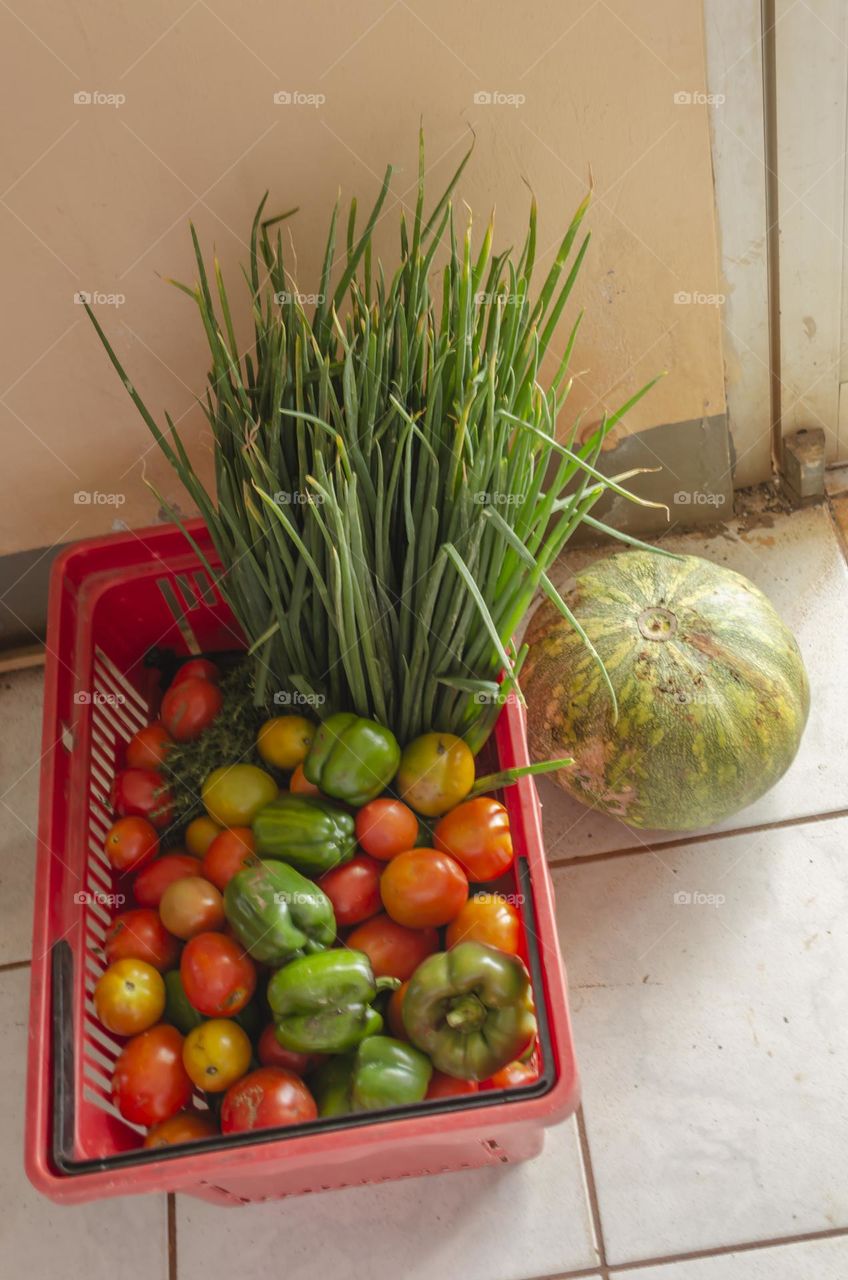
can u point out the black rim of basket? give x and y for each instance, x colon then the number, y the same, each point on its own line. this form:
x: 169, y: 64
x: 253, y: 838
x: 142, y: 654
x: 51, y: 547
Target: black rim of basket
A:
x: 63, y: 1076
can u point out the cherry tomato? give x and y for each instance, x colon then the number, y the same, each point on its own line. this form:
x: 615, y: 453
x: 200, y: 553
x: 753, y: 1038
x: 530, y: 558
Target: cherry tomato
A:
x: 147, y: 748
x: 515, y: 1074
x: 197, y: 669
x: 140, y: 793
x: 190, y: 906
x: 228, y: 853
x: 218, y: 975
x: 394, y: 1012
x: 234, y: 794
x: 199, y: 834
x: 300, y: 785
x: 354, y: 890
x: 487, y: 918
x: 185, y: 1126
x: 130, y: 843
x: 151, y: 883
x: 436, y: 771
x: 189, y: 707
x: 284, y: 741
x: 423, y: 887
x: 442, y: 1086
x: 150, y: 1083
x: 129, y: 997
x: 265, y: 1099
x: 216, y: 1054
x: 139, y: 934
x: 386, y: 827
x: 394, y: 951
x: 271, y: 1053
x: 476, y: 833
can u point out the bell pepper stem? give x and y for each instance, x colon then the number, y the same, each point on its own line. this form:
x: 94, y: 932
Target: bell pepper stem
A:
x: 505, y: 778
x: 467, y: 1013
x: 387, y: 984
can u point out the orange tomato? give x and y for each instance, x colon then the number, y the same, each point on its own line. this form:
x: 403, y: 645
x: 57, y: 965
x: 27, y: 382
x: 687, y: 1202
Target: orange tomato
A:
x: 131, y: 843
x: 129, y: 997
x: 199, y: 834
x: 487, y: 918
x: 191, y: 906
x: 394, y: 951
x: 185, y: 1126
x: 228, y: 853
x: 476, y: 833
x: 300, y: 785
x: 423, y: 887
x: 216, y: 1054
x: 394, y: 1012
x: 385, y: 828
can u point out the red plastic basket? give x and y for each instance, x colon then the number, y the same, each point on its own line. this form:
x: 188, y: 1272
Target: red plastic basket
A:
x: 111, y: 601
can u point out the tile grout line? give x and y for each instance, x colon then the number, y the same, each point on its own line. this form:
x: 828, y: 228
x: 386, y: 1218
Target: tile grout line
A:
x: 12, y: 965
x: 592, y: 1192
x: 721, y: 1251
x: 607, y: 855
x: 172, y: 1235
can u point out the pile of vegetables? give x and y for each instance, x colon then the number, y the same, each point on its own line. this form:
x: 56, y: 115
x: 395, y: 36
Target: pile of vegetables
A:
x: 315, y: 948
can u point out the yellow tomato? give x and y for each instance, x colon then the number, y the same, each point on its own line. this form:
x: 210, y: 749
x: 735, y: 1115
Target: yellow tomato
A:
x: 199, y: 834
x: 129, y: 997
x: 436, y: 772
x: 284, y: 741
x: 234, y: 794
x: 216, y: 1054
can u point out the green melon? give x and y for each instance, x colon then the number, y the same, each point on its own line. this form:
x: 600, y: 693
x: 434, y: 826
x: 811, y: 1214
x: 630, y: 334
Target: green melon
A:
x: 712, y: 692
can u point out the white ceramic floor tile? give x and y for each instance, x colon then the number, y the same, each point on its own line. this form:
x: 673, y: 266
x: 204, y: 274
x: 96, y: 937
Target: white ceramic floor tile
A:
x: 815, y: 1260
x: 798, y: 563
x: 528, y: 1219
x: 38, y: 1238
x: 713, y: 1039
x: 20, y: 755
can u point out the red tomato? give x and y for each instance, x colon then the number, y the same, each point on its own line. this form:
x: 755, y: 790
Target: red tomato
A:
x: 150, y: 1083
x: 140, y: 935
x: 227, y: 854
x: 191, y: 906
x: 486, y: 918
x: 130, y: 843
x: 185, y: 1126
x: 271, y: 1053
x: 189, y: 707
x: 394, y: 951
x: 515, y: 1074
x: 354, y: 890
x: 476, y: 833
x: 141, y: 793
x: 147, y: 748
x: 423, y: 887
x: 266, y: 1098
x: 151, y: 883
x: 385, y: 828
x: 197, y: 669
x: 442, y: 1086
x: 218, y: 975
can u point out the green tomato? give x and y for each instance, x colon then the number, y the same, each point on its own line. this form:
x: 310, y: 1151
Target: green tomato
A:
x: 234, y: 794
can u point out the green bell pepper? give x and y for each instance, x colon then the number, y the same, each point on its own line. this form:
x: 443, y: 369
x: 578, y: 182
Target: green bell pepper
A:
x: 351, y: 758
x: 310, y: 833
x: 277, y: 914
x: 382, y: 1073
x: 323, y: 1003
x: 470, y: 1009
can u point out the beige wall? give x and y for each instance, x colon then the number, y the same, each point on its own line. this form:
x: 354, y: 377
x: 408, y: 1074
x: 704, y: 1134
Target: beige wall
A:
x: 99, y: 196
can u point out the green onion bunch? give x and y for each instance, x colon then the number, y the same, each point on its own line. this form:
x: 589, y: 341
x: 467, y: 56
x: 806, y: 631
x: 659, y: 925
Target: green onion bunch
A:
x: 390, y: 489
